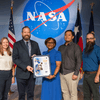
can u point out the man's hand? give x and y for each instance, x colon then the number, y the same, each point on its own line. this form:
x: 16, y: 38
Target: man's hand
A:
x: 74, y: 77
x: 29, y: 68
x: 33, y: 55
x: 96, y: 80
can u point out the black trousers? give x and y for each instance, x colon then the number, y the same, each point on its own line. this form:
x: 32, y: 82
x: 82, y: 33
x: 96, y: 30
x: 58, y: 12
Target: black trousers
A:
x: 90, y: 88
x: 5, y: 83
x: 26, y: 85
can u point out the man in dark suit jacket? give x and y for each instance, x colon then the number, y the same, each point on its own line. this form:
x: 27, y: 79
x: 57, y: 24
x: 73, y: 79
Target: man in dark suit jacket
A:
x: 23, y: 51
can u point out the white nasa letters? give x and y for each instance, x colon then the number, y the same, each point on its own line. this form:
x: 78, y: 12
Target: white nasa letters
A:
x: 42, y: 16
x: 29, y: 15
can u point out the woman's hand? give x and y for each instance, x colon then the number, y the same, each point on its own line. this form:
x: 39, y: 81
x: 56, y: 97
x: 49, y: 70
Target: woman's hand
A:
x: 13, y: 80
x: 50, y: 77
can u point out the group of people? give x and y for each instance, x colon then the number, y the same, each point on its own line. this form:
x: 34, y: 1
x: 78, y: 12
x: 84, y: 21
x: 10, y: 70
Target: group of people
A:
x: 65, y: 65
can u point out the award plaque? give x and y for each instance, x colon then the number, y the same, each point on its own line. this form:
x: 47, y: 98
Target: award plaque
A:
x: 41, y: 65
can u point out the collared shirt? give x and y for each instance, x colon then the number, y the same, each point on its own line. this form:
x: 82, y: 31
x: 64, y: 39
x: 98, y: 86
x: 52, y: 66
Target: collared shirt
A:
x: 91, y: 62
x: 29, y: 45
x: 5, y: 62
x: 71, y: 58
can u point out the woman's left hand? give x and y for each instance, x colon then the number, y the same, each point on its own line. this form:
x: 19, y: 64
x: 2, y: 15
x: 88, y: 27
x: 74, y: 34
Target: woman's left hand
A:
x: 50, y: 77
x: 13, y: 80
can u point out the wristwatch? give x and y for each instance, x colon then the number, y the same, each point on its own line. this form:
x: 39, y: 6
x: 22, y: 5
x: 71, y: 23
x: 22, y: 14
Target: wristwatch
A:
x: 54, y: 75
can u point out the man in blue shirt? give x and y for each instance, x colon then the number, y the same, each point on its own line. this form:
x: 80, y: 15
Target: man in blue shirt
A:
x: 91, y: 68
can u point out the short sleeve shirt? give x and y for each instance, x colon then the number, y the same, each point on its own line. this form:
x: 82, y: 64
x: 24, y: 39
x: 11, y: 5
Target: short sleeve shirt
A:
x: 91, y: 62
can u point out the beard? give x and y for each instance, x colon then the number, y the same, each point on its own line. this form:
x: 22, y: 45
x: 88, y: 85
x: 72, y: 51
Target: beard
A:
x: 26, y: 37
x: 89, y: 47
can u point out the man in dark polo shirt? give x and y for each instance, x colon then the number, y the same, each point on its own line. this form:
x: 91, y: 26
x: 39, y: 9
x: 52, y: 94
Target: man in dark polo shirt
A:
x: 91, y: 68
x: 71, y: 63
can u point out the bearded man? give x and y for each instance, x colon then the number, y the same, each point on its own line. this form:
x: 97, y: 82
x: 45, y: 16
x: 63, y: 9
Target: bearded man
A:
x: 91, y: 68
x: 23, y: 51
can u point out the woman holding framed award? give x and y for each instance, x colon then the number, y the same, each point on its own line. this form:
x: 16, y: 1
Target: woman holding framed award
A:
x: 51, y: 88
x: 6, y: 69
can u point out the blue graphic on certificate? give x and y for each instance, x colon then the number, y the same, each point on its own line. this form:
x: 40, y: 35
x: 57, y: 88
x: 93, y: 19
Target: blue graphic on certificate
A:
x: 41, y: 65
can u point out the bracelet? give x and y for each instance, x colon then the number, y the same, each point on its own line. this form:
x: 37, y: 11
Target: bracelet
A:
x: 13, y: 75
x: 54, y: 75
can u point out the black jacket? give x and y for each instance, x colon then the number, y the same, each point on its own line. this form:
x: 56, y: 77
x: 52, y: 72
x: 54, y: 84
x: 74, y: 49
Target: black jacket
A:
x: 22, y: 59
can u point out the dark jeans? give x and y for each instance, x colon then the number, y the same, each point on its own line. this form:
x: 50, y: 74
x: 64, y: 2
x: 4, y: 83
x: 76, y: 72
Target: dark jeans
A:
x: 5, y: 83
x: 90, y: 88
x: 26, y: 85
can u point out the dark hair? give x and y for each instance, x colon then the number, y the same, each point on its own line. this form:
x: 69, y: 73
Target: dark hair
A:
x: 25, y: 27
x: 91, y: 33
x: 0, y: 46
x: 1, y: 49
x: 48, y: 39
x: 71, y: 32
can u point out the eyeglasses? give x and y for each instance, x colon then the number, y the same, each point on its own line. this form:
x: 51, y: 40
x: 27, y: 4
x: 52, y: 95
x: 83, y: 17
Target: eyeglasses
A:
x: 89, y: 38
x: 50, y: 42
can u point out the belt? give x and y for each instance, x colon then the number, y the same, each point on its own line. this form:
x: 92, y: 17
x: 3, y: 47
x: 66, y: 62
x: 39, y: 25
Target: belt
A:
x: 90, y: 72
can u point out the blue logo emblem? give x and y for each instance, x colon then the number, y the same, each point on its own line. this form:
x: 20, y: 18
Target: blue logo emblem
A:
x: 46, y: 18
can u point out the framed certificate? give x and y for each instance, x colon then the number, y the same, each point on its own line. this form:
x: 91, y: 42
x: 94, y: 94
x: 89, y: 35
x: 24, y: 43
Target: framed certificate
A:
x: 41, y: 65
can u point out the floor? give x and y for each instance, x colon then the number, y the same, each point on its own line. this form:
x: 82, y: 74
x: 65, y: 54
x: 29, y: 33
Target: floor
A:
x: 37, y: 93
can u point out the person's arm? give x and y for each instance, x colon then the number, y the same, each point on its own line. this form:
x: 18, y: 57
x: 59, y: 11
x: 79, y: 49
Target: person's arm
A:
x: 78, y: 57
x: 13, y: 74
x: 58, y: 63
x: 81, y: 74
x: 96, y: 80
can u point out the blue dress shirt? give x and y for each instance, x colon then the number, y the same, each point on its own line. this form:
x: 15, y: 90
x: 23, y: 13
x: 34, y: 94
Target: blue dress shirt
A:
x: 91, y: 62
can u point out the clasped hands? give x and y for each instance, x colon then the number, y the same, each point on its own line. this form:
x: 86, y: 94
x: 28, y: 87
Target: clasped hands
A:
x: 50, y: 77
